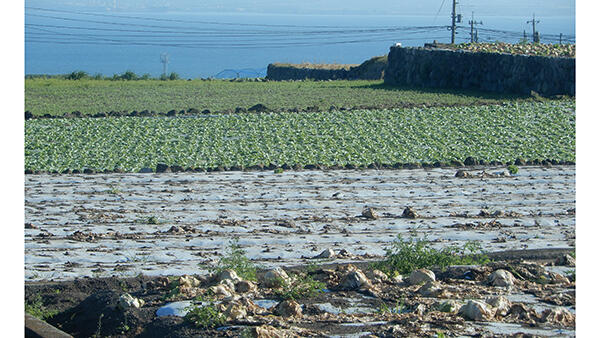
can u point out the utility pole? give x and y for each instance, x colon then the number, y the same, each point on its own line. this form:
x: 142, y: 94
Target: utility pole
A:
x: 560, y: 39
x: 453, y: 21
x: 164, y: 59
x: 535, y: 36
x: 472, y: 22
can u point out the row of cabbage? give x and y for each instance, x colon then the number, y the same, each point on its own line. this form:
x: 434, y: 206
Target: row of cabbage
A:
x: 532, y: 130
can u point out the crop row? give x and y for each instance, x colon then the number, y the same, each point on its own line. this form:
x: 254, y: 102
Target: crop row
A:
x: 528, y: 131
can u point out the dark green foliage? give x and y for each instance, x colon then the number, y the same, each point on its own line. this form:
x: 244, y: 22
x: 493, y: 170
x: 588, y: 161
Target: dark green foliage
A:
x: 76, y: 75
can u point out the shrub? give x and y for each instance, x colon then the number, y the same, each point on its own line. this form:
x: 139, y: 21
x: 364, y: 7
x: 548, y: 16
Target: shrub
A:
x: 77, y: 75
x: 235, y: 259
x: 302, y: 286
x: 405, y: 256
x: 206, y: 317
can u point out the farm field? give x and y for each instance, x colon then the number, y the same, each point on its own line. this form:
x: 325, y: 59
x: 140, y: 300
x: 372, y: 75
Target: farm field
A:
x: 58, y: 96
x: 224, y: 224
x: 89, y: 239
x: 531, y: 131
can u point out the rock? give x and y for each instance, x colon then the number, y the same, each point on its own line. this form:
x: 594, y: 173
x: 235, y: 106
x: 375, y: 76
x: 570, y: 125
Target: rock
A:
x: 245, y: 286
x: 398, y: 279
x: 501, y: 278
x: 369, y: 213
x: 566, y: 260
x: 379, y: 275
x: 227, y: 282
x: 431, y: 289
x: 500, y: 303
x: 409, y: 213
x: 476, y: 310
x: 162, y: 168
x: 344, y: 253
x: 421, y: 276
x: 276, y: 277
x: 522, y: 312
x: 146, y: 171
x: 449, y: 306
x: 229, y: 274
x: 559, y: 316
x: 235, y: 311
x: 189, y: 281
x: 327, y: 253
x: 557, y: 278
x: 267, y: 331
x: 222, y: 290
x: 354, y: 280
x: 420, y: 309
x: 288, y: 308
x: 462, y: 174
x: 127, y: 301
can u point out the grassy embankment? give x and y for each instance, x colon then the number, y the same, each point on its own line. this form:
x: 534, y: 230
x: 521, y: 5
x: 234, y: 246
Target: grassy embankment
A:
x: 88, y: 96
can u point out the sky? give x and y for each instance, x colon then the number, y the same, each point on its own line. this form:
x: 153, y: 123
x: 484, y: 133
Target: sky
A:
x: 542, y: 8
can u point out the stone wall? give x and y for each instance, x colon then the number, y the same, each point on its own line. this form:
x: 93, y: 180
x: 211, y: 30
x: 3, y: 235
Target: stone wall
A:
x: 371, y: 69
x: 493, y: 72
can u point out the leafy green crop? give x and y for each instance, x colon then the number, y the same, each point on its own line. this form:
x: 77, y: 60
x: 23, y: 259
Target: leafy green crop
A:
x: 533, y: 130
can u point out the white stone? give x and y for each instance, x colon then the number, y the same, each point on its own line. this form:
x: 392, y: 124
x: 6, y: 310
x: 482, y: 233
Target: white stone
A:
x: 421, y: 276
x: 327, y: 253
x: 354, y: 280
x: 501, y: 278
x: 127, y: 301
x: 229, y: 274
x: 476, y: 310
x: 275, y: 277
x: 500, y: 303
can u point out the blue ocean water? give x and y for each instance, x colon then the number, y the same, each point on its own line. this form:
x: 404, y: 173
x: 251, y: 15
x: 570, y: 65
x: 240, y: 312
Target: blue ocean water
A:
x: 230, y: 44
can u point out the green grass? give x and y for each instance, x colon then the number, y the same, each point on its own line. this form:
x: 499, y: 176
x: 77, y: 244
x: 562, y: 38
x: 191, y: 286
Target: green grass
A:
x: 57, y: 96
x: 407, y: 255
x: 530, y: 131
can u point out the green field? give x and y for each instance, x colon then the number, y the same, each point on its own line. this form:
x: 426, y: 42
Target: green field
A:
x: 527, y: 130
x: 89, y: 96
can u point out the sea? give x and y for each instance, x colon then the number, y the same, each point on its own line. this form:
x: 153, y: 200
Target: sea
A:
x: 229, y: 45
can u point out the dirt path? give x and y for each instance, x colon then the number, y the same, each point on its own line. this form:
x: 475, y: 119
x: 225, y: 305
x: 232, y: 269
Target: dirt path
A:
x: 126, y: 224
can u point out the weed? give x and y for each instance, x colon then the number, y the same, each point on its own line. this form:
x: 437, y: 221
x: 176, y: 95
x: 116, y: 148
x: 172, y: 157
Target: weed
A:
x: 235, y: 259
x: 512, y: 169
x: 278, y: 171
x: 114, y: 190
x: 206, y: 317
x: 36, y: 308
x: 405, y: 256
x: 302, y: 286
x: 399, y: 308
x: 571, y: 275
x: 99, y: 327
